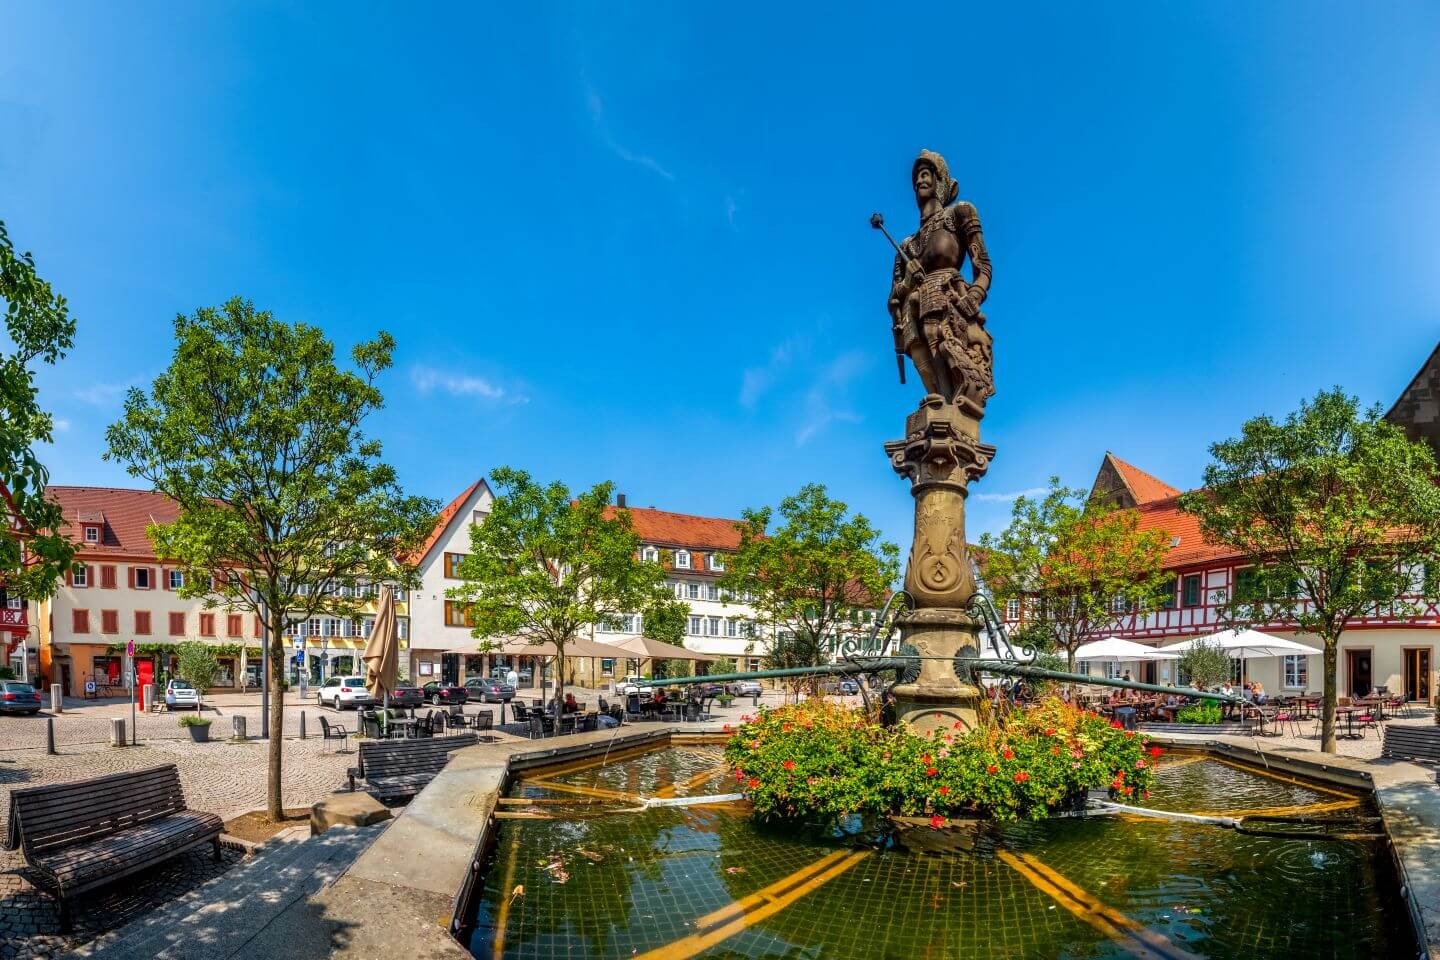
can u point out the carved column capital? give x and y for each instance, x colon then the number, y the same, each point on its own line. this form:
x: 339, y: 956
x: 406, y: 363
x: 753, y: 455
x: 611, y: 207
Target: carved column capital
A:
x: 941, y: 448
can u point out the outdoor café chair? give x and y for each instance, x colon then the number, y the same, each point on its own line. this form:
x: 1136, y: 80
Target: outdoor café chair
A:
x: 1369, y: 720
x: 484, y: 724
x: 537, y: 727
x: 334, y: 731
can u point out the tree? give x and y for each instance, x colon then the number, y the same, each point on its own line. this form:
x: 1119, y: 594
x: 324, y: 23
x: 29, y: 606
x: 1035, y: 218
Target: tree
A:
x: 1206, y: 664
x: 545, y: 566
x: 1078, y: 567
x: 196, y: 662
x: 1337, y: 512
x: 286, y: 509
x: 811, y: 575
x: 666, y: 620
x: 40, y: 329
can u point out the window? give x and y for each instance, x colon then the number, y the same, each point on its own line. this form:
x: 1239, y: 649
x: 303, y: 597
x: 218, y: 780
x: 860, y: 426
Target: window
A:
x: 1112, y: 671
x: 142, y: 623
x: 714, y: 626
x: 607, y: 666
x: 717, y: 563
x: 177, y: 624
x: 712, y: 592
x: 207, y: 624
x: 1190, y: 591
x: 455, y: 614
x: 649, y: 555
x: 682, y: 559
x: 141, y: 578
x: 332, y: 627
x: 177, y: 579
x: 80, y: 577
x: 234, y: 625
x: 317, y: 628
x: 732, y: 628
x: 692, y: 590
x: 107, y: 577
x: 92, y: 533
x: 367, y: 627
x: 452, y: 565
x: 694, y: 626
x: 1297, y: 671
x: 109, y: 621
x: 1012, y: 610
x: 402, y: 628
x: 1235, y: 668
x: 80, y: 621
x: 1167, y: 595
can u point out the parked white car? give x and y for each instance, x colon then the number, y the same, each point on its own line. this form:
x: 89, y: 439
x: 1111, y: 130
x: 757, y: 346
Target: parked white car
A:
x: 180, y: 694
x: 344, y: 692
x: 629, y: 685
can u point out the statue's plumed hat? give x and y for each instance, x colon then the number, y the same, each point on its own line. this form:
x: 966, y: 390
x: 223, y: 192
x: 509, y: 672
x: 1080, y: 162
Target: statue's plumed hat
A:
x: 946, y: 188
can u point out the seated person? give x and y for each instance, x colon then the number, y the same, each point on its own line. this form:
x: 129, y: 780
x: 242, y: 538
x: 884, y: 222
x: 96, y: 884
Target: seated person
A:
x: 1257, y: 692
x: 571, y: 705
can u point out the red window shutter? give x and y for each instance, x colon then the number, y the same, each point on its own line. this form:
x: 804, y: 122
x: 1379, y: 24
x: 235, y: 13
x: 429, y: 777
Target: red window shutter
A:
x: 107, y: 577
x: 257, y: 626
x: 109, y: 621
x: 234, y: 625
x: 69, y: 578
x: 165, y: 578
x: 142, y: 622
x: 207, y: 624
x: 80, y: 621
x: 130, y: 572
x: 177, y: 624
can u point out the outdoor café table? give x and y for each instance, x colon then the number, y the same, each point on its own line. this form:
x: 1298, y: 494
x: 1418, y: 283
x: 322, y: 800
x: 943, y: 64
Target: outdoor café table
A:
x: 1349, y: 714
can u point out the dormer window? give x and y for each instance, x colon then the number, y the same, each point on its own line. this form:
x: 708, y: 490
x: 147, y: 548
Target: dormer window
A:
x: 717, y: 563
x: 649, y: 554
x: 92, y: 533
x: 682, y: 559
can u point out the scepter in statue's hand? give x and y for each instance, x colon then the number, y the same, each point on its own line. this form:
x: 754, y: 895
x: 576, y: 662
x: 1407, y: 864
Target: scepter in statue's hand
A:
x: 878, y: 222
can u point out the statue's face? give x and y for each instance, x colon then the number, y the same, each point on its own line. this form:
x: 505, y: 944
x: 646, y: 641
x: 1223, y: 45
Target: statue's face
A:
x: 924, y: 182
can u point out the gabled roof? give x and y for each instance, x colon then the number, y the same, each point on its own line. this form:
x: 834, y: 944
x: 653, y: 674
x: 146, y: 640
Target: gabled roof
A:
x: 443, y: 520
x: 665, y: 529
x: 1144, y: 487
x: 1417, y: 409
x: 123, y: 516
x: 1186, y: 545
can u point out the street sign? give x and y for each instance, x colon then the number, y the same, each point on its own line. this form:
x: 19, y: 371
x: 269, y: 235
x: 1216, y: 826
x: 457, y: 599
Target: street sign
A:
x: 300, y: 656
x: 130, y: 649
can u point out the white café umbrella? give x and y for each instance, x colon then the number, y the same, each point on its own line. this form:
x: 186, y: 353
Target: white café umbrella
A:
x: 1246, y: 644
x: 1116, y: 650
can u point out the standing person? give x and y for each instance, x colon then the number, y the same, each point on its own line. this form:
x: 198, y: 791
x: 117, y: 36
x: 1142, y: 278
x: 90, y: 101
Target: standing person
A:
x: 512, y: 678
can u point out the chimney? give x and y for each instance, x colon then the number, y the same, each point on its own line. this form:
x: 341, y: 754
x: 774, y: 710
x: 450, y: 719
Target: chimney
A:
x: 620, y: 500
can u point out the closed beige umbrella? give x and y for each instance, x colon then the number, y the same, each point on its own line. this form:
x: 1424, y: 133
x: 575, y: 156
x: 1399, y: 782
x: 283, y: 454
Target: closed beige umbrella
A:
x: 382, y: 653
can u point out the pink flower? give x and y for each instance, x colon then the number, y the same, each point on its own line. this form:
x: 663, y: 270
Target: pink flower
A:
x: 1075, y: 764
x: 1139, y: 764
x: 944, y: 753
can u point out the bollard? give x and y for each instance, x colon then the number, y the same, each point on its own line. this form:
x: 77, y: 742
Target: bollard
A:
x: 50, y: 736
x: 117, y: 732
x: 302, y: 724
x: 238, y: 724
x: 57, y: 699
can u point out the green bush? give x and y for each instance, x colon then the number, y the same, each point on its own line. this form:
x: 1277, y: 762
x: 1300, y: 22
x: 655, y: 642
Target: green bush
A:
x: 1206, y: 711
x: 190, y: 720
x: 817, y: 758
x: 7, y: 674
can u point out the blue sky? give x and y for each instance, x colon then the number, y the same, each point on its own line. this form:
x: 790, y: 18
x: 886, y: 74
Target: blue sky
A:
x: 629, y: 242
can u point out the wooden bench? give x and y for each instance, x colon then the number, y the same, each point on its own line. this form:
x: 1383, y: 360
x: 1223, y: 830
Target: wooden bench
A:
x: 395, y: 770
x: 1411, y: 743
x: 82, y: 835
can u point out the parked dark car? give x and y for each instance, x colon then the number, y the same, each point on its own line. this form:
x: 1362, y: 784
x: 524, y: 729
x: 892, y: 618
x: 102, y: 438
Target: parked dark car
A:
x: 406, y: 697
x: 16, y: 696
x: 443, y: 694
x: 709, y: 689
x: 489, y: 690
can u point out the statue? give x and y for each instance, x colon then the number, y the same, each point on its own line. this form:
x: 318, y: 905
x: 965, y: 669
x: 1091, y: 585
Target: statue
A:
x: 935, y: 313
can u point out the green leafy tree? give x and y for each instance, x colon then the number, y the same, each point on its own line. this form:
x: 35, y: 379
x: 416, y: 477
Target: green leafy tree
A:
x: 810, y: 575
x: 1079, y: 567
x: 287, y: 509
x: 1336, y: 510
x: 39, y: 329
x: 1206, y: 664
x: 546, y: 567
x: 666, y: 620
x: 196, y: 662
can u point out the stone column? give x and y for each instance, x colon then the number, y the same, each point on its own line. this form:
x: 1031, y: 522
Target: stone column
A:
x: 941, y: 454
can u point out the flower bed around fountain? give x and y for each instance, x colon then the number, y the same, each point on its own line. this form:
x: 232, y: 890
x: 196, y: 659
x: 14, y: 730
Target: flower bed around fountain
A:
x: 815, y: 758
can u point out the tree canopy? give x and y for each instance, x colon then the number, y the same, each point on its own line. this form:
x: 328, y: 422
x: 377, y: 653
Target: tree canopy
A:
x: 39, y: 329
x: 1079, y: 567
x: 1336, y: 510
x: 286, y: 508
x: 808, y: 577
x: 546, y: 566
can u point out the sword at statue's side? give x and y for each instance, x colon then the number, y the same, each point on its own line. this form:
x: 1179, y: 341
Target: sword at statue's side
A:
x: 878, y: 222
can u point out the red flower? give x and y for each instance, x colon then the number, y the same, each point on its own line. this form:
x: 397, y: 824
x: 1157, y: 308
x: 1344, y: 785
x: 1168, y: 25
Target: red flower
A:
x: 992, y: 769
x: 944, y: 791
x: 785, y: 728
x: 926, y: 760
x: 1129, y: 734
x: 752, y: 783
x: 1008, y: 754
x: 1156, y: 751
x: 739, y: 774
x: 727, y: 728
x: 1055, y: 750
x: 937, y: 821
x: 788, y: 764
x: 931, y: 771
x: 1117, y: 725
x: 1129, y: 790
x: 754, y: 744
x: 1021, y: 777
x: 959, y: 725
x: 1050, y: 731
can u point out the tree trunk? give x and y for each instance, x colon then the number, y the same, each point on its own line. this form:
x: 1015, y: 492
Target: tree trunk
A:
x: 1327, y: 707
x: 274, y: 808
x: 1070, y: 659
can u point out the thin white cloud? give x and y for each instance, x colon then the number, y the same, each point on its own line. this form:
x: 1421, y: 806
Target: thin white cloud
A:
x: 597, y: 117
x: 61, y: 425
x: 825, y: 400
x: 755, y: 382
x: 105, y: 394
x: 730, y: 208
x: 1008, y: 497
x: 428, y: 380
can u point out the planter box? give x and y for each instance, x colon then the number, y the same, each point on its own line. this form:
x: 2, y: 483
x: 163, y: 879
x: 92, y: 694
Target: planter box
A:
x: 199, y: 732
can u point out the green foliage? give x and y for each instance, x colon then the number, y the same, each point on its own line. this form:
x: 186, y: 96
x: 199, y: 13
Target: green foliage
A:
x: 193, y: 720
x: 1080, y: 567
x: 1206, y: 711
x: 814, y: 758
x: 1205, y: 664
x: 546, y: 566
x: 196, y: 662
x: 665, y: 619
x: 810, y: 576
x: 6, y: 673
x: 722, y: 665
x: 255, y: 432
x: 1338, y: 513
x: 39, y: 329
